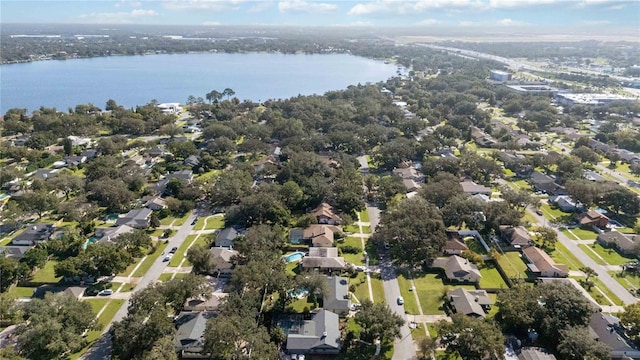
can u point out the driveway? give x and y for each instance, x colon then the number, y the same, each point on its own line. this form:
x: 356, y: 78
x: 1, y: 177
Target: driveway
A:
x: 403, y: 347
x: 101, y: 349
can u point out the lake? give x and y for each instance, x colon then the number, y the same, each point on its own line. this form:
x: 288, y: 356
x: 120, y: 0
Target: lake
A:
x: 136, y: 80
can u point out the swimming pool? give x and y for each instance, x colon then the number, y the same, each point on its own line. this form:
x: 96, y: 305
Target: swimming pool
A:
x: 90, y: 240
x: 4, y: 196
x: 296, y: 256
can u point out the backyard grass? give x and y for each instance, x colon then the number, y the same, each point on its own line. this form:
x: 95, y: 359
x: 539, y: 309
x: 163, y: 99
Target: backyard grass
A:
x: 410, y: 303
x: 592, y: 254
x: 512, y: 265
x: 300, y: 305
x: 46, y: 274
x: 291, y: 267
x: 610, y: 255
x: 182, y: 251
x: 364, y: 215
x: 474, y: 245
x: 491, y: 278
x: 21, y: 291
x: 149, y: 260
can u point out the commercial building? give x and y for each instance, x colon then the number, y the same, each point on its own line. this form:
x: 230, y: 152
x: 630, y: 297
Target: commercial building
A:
x: 591, y: 99
x: 498, y: 75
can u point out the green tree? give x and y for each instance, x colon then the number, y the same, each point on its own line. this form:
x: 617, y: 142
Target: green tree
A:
x: 315, y: 283
x: 414, y: 231
x: 54, y: 326
x: 631, y: 320
x: 200, y: 259
x: 35, y: 258
x: 577, y: 343
x: 67, y: 183
x: 378, y: 322
x: 471, y: 338
x: 38, y: 202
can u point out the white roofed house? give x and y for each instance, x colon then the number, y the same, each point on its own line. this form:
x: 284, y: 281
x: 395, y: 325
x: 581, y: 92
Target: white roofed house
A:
x: 324, y: 259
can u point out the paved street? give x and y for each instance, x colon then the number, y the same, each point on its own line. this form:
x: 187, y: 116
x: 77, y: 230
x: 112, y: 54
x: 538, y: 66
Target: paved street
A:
x: 101, y: 350
x: 403, y: 347
x: 603, y: 275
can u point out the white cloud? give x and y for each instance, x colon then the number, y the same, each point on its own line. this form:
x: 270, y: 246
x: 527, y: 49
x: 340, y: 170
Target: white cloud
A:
x: 466, y: 23
x: 510, y: 22
x: 430, y: 22
x: 306, y: 6
x: 499, y: 4
x: 617, y: 7
x: 409, y: 7
x: 211, y: 23
x: 596, y: 22
x: 118, y: 17
x: 213, y: 5
x: 260, y: 6
x: 128, y: 3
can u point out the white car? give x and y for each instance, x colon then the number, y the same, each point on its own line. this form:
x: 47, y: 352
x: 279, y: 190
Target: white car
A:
x: 105, y: 292
x: 168, y: 257
x: 400, y: 300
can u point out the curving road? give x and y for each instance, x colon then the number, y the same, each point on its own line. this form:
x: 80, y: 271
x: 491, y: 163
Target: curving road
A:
x: 101, y: 349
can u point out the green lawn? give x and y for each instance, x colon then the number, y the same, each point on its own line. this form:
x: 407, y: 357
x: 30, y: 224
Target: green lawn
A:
x: 377, y: 288
x: 597, y: 295
x: 563, y: 256
x: 128, y: 287
x: 491, y: 278
x: 104, y: 319
x: 212, y: 222
x: 46, y: 274
x: 512, y: 265
x: 628, y: 279
x: 358, y: 258
x: 149, y: 260
x: 352, y: 229
x: 364, y: 215
x: 410, y: 303
x: 519, y: 185
x: 21, y: 291
x: 97, y: 304
x: 552, y: 214
x: 579, y: 234
x: 362, y: 289
x: 182, y: 251
x: 366, y: 229
x: 181, y: 220
x: 167, y: 276
x: 592, y: 254
x: 6, y: 241
x: 474, y: 245
x: 610, y: 255
x: 300, y: 305
x: 430, y: 290
x: 167, y: 221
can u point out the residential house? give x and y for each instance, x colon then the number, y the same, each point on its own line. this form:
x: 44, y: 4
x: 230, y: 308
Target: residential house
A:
x: 136, y: 218
x: 474, y: 303
x: 265, y: 162
x: 455, y: 244
x: 564, y: 203
x: 531, y: 353
x: 192, y: 160
x: 593, y: 218
x: 157, y: 151
x: 73, y: 291
x: 411, y: 185
x: 44, y: 174
x: 319, y: 235
x: 182, y: 175
x: 545, y: 183
x: 458, y: 269
x: 226, y: 237
x: 607, y: 329
x: 155, y: 203
x: 90, y: 154
x: 324, y: 259
x: 626, y: 244
x: 337, y: 299
x: 75, y: 160
x: 517, y: 236
x: 189, y: 337
x: 136, y: 160
x: 79, y: 141
x: 626, y: 155
x: 110, y: 234
x: 13, y: 252
x: 33, y: 235
x: 599, y: 146
x: 201, y: 303
x: 471, y: 188
x: 319, y: 335
x: 326, y: 214
x: 482, y: 139
x: 222, y: 260
x: 410, y: 173
x: 541, y: 264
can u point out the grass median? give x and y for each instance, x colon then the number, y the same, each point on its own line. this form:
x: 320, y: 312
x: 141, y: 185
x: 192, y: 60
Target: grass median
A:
x: 149, y: 260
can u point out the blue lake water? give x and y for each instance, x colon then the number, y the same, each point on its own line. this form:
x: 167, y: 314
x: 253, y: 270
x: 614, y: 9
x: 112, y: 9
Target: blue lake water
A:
x: 136, y: 80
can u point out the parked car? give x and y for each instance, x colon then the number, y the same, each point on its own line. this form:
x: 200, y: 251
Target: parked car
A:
x: 105, y: 292
x: 173, y: 250
x: 194, y: 221
x: 539, y: 212
x: 168, y: 257
x: 400, y: 300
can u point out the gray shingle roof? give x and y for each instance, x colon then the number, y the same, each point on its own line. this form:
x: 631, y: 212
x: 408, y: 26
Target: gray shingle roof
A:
x: 338, y: 297
x: 323, y: 330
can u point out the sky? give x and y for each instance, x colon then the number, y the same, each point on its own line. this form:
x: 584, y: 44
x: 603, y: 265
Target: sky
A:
x: 499, y: 14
